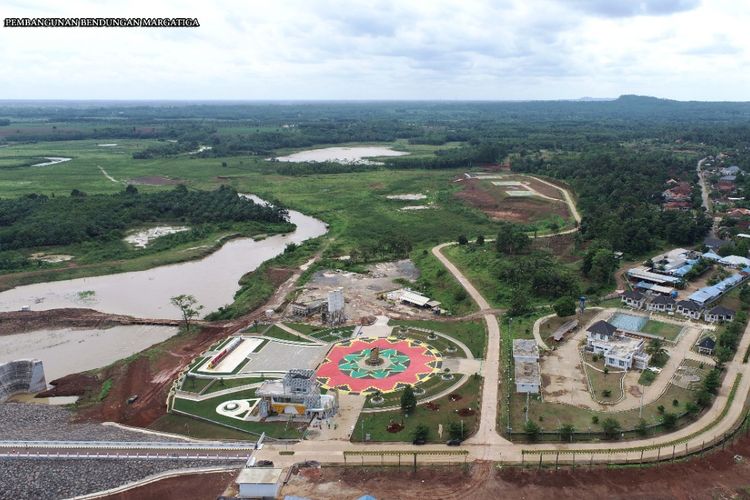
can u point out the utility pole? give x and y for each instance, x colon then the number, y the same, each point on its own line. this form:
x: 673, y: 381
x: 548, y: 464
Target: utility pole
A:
x: 640, y: 409
x: 509, y: 386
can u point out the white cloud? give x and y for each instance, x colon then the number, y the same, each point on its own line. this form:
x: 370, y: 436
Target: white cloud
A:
x: 331, y: 49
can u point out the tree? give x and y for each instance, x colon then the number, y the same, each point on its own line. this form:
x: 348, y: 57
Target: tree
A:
x: 520, y: 303
x: 669, y: 421
x: 512, y: 239
x: 480, y: 240
x: 611, y: 428
x: 641, y: 429
x: 712, y: 381
x: 421, y: 433
x: 531, y: 430
x: 565, y: 306
x: 566, y: 432
x: 603, y: 264
x: 691, y: 408
x: 462, y: 240
x: 659, y: 354
x: 408, y: 400
x: 456, y: 431
x: 189, y: 307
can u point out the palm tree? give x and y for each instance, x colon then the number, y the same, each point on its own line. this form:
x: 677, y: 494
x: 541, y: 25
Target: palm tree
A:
x: 657, y: 351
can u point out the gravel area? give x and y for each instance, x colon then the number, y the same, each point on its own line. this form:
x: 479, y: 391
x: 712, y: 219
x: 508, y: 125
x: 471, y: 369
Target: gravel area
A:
x: 53, y: 479
x: 37, y: 422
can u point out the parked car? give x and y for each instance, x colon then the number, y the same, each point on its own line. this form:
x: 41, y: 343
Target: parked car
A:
x: 419, y: 441
x: 264, y: 463
x: 454, y: 442
x: 132, y: 399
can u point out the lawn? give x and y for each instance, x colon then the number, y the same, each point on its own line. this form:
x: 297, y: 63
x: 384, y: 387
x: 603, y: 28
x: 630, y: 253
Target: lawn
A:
x: 472, y: 333
x: 440, y: 343
x: 305, y: 328
x: 432, y: 386
x: 221, y: 384
x: 277, y: 333
x: 207, y: 409
x: 550, y: 416
x: 601, y: 382
x: 667, y: 331
x: 376, y: 424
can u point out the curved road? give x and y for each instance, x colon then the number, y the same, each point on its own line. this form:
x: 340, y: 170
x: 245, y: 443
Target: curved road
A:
x: 486, y: 444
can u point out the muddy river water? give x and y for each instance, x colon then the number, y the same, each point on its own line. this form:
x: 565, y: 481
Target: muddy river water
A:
x: 69, y: 350
x: 213, y: 280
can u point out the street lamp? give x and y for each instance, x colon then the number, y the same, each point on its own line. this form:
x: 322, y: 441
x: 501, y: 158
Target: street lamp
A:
x: 508, y: 385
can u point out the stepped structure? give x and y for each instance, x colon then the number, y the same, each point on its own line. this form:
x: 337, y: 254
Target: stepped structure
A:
x: 22, y: 375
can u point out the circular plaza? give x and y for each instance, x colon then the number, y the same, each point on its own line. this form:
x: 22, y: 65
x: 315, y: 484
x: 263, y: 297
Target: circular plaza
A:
x: 378, y: 364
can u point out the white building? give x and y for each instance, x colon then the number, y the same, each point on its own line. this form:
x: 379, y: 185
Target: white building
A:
x: 661, y: 303
x: 527, y: 377
x: 525, y: 350
x: 619, y: 350
x: 718, y: 314
x: 259, y: 482
x: 526, y: 361
x: 336, y: 304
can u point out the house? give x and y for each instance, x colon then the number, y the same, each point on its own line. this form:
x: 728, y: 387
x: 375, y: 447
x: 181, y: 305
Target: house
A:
x: 738, y: 212
x: 619, y: 350
x: 527, y: 377
x: 689, y: 308
x: 412, y: 298
x: 601, y: 330
x: 725, y: 186
x: 682, y: 206
x: 297, y: 394
x: 735, y: 261
x: 661, y: 303
x: 643, y: 274
x: 526, y: 360
x: 259, y: 482
x: 706, y: 346
x: 712, y: 256
x: 732, y: 170
x: 634, y: 299
x: 525, y: 350
x: 718, y: 314
x: 680, y: 192
x: 728, y: 178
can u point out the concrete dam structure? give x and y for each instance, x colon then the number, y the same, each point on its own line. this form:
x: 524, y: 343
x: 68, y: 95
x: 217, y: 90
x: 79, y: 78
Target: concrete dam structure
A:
x: 21, y: 376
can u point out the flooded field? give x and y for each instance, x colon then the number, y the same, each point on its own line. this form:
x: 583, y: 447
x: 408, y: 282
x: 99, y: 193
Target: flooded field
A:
x: 68, y: 350
x: 357, y: 154
x: 212, y: 280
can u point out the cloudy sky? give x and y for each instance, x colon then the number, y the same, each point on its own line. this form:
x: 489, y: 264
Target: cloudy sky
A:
x: 401, y: 49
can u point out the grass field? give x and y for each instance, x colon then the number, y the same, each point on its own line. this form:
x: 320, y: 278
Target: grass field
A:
x: 601, y: 382
x: 376, y: 424
x: 667, y: 331
x: 207, y: 409
x: 550, y: 416
x: 471, y: 333
x: 432, y: 386
x: 277, y: 333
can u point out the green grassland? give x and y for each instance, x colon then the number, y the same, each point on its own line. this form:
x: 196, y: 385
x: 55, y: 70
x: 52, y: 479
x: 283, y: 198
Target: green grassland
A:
x: 667, y: 331
x: 471, y: 333
x: 376, y: 424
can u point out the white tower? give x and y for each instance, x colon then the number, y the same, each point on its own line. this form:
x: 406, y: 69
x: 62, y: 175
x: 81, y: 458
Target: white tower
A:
x: 336, y: 306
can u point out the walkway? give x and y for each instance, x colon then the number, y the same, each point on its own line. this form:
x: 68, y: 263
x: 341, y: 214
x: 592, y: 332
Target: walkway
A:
x: 487, y: 433
x: 291, y: 330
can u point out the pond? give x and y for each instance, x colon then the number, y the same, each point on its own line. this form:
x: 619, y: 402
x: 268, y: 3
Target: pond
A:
x: 356, y: 154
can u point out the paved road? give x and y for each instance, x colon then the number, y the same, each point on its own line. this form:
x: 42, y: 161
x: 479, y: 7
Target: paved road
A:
x: 487, y: 433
